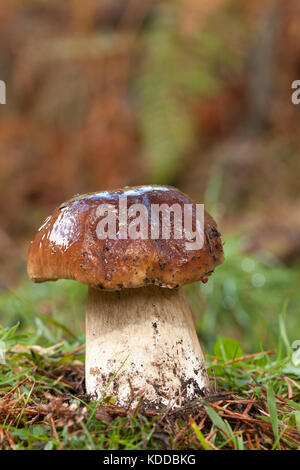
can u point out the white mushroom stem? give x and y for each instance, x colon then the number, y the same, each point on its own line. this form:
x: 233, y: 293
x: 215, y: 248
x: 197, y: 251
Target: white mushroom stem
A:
x: 152, y: 330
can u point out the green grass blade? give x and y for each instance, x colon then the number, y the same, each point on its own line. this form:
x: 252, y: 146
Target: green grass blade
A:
x: 200, y: 436
x: 272, y: 410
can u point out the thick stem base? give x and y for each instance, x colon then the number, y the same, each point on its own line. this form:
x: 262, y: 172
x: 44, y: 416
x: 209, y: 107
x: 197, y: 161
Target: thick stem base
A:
x: 152, y: 330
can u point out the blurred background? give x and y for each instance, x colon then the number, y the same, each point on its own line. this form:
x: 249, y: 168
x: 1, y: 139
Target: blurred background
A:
x: 102, y: 94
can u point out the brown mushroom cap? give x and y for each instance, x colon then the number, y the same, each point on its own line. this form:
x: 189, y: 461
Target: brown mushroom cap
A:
x: 67, y: 246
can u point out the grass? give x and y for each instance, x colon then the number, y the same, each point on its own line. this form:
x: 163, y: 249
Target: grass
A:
x: 255, y: 399
x: 255, y: 404
x: 245, y: 298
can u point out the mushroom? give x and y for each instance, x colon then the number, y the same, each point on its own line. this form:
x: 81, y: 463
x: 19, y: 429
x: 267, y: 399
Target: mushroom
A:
x: 141, y: 342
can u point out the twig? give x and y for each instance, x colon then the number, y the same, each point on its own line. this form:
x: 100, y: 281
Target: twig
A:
x: 249, y: 356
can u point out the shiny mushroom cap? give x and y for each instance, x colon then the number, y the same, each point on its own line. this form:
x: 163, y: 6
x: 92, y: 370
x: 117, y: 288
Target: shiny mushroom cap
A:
x: 67, y: 245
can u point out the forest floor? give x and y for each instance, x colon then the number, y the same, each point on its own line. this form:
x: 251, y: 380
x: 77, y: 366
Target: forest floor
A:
x: 248, y: 323
x: 254, y: 404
